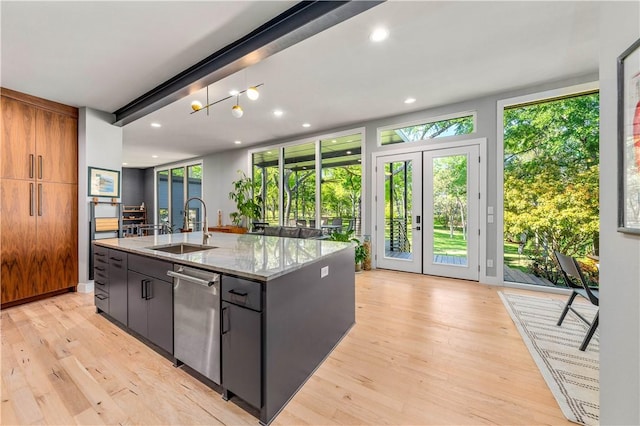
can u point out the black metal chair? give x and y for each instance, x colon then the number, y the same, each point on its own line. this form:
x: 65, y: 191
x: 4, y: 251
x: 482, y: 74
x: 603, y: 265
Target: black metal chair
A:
x: 575, y: 280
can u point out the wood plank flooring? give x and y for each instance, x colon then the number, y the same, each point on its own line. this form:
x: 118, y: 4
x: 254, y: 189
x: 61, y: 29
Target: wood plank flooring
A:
x: 424, y: 350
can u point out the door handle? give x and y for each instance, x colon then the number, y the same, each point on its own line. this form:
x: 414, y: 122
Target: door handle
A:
x: 31, y: 165
x: 143, y: 287
x: 149, y: 289
x: 31, y: 201
x: 417, y: 228
x: 39, y: 199
x: 225, y: 320
x: 39, y: 166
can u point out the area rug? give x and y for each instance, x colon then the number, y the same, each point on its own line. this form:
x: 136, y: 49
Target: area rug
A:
x: 572, y: 375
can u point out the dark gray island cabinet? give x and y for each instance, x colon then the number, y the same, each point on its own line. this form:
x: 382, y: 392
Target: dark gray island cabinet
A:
x: 284, y: 304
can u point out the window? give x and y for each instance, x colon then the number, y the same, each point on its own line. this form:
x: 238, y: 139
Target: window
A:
x: 299, y: 184
x: 551, y: 184
x: 174, y: 186
x: 293, y: 201
x: 266, y: 178
x: 341, y: 183
x: 429, y: 129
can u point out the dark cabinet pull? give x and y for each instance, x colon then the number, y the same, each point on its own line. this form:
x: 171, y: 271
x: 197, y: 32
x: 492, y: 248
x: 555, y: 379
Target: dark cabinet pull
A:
x: 99, y: 254
x: 99, y: 282
x: 149, y: 289
x: 99, y: 268
x: 238, y: 293
x: 39, y: 166
x: 225, y: 320
x: 117, y: 259
x: 39, y: 199
x: 101, y: 296
x: 31, y: 165
x: 143, y: 287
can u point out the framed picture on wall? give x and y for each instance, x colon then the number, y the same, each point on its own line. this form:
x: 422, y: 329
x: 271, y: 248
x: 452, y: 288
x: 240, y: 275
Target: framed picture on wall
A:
x: 104, y: 183
x: 629, y: 140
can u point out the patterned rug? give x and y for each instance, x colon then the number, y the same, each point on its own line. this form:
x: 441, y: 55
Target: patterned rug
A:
x: 572, y: 375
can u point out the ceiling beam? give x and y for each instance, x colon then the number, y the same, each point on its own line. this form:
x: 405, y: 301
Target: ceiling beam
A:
x: 299, y: 22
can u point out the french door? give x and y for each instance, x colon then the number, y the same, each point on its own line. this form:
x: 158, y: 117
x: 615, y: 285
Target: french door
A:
x: 451, y: 193
x: 427, y: 212
x: 399, y: 211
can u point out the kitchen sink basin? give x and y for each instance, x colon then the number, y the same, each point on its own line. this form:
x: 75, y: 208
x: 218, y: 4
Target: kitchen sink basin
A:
x: 181, y: 248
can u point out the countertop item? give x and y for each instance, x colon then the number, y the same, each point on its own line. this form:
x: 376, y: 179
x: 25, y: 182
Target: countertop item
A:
x: 250, y: 256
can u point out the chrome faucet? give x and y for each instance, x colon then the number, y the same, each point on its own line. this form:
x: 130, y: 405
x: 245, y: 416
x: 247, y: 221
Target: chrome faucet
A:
x: 205, y: 229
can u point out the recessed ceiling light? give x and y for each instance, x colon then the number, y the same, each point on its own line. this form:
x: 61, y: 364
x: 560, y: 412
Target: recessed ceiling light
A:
x: 154, y: 156
x: 278, y: 112
x: 269, y: 152
x: 237, y: 142
x: 124, y: 164
x: 379, y: 34
x: 334, y: 141
x: 234, y: 92
x: 306, y: 125
x: 409, y: 100
x: 156, y: 125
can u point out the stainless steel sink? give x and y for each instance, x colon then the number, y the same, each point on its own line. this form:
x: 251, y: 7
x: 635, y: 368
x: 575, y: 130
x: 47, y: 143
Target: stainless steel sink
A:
x: 181, y: 248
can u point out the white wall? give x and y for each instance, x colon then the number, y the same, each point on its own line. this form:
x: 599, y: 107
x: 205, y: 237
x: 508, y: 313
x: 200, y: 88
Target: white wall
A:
x: 99, y: 145
x: 619, y: 253
x: 219, y: 170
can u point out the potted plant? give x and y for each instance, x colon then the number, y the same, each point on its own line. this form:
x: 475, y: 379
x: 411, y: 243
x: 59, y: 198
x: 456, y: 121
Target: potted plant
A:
x: 360, y: 251
x: 247, y: 207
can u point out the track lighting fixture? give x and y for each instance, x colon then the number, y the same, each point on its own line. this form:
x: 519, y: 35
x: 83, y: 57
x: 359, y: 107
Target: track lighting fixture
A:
x: 237, y: 111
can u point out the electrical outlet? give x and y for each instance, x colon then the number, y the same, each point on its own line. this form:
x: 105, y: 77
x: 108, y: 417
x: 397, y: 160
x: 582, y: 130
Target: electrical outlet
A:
x: 324, y: 271
x: 489, y: 263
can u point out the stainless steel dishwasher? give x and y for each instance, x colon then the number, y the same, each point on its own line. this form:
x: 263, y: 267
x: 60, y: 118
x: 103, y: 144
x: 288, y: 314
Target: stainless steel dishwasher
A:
x: 196, y: 320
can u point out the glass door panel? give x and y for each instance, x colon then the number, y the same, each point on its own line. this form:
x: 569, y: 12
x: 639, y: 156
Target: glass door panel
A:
x: 451, y: 212
x: 398, y: 210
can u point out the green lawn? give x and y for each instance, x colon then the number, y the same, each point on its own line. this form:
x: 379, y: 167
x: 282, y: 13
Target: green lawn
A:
x: 444, y: 244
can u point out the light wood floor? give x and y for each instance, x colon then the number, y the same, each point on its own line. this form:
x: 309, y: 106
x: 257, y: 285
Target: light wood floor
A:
x: 424, y: 351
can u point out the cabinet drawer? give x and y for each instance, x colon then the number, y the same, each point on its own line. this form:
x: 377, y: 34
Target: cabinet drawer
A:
x: 117, y: 259
x: 101, y: 283
x: 242, y: 292
x: 151, y: 267
x: 101, y: 271
x: 100, y: 256
x: 102, y: 300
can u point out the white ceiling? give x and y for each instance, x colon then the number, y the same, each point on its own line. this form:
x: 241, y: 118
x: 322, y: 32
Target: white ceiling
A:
x: 105, y: 54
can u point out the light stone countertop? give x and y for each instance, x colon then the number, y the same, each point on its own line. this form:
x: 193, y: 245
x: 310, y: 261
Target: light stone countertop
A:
x: 246, y: 255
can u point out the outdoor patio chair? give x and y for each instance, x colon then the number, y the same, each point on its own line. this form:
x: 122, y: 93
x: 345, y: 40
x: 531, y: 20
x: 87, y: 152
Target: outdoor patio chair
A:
x: 575, y: 280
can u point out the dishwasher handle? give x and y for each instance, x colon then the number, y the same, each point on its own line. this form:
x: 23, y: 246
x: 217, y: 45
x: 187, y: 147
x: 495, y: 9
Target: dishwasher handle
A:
x: 192, y: 279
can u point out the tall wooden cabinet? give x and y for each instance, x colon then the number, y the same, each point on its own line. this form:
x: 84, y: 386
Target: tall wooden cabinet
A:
x: 38, y: 197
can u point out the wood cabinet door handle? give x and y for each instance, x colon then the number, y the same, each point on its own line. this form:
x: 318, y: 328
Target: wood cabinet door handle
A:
x: 31, y: 199
x: 39, y: 199
x: 31, y: 165
x: 40, y: 167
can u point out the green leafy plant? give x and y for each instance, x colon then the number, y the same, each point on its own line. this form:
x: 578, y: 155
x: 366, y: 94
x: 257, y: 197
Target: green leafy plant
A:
x: 347, y: 236
x: 248, y: 207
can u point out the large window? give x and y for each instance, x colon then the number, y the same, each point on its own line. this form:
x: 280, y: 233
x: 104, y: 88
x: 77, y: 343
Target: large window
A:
x: 551, y: 184
x: 293, y: 200
x: 461, y: 124
x: 174, y: 186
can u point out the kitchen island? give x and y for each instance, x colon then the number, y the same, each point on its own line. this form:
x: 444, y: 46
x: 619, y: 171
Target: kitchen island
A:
x: 282, y: 304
